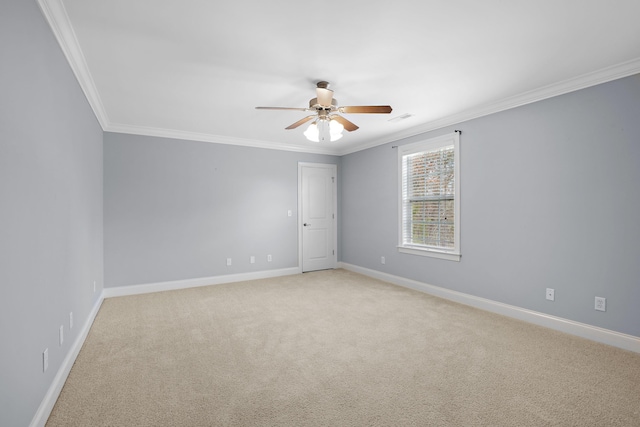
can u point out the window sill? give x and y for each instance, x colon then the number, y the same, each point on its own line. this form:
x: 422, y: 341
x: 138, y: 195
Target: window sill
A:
x: 433, y: 253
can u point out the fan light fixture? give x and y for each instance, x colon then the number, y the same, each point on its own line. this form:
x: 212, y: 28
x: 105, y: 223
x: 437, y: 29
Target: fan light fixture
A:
x: 324, y: 130
x: 326, y: 123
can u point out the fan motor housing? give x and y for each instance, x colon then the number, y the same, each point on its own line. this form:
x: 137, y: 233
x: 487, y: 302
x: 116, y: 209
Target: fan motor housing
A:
x: 313, y: 103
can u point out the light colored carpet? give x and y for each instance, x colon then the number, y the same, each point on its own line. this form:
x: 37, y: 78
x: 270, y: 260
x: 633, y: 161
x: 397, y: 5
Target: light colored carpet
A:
x: 334, y: 348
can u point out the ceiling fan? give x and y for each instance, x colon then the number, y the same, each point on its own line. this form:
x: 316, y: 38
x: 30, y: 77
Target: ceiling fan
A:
x: 327, y: 124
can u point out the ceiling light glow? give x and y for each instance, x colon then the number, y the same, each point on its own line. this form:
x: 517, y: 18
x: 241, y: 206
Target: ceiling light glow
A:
x: 323, y: 130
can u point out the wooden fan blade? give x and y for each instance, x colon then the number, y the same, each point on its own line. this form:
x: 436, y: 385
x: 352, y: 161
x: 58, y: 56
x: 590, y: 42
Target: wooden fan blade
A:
x: 324, y: 96
x: 301, y: 121
x: 344, y: 122
x: 282, y: 108
x: 376, y: 109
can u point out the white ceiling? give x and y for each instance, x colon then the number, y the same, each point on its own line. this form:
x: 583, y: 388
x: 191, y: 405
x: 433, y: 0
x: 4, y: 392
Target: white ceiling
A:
x: 195, y: 69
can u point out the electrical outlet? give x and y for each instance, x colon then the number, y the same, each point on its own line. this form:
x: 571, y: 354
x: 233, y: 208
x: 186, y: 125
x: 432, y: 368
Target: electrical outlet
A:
x: 269, y: 259
x: 550, y: 294
x: 71, y: 320
x: 61, y: 334
x: 45, y: 360
x: 289, y: 213
x: 252, y: 259
x: 228, y: 262
x: 382, y: 260
x: 601, y: 304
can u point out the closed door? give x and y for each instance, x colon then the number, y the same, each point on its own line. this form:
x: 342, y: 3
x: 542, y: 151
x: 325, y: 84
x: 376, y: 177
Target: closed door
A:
x: 318, y: 216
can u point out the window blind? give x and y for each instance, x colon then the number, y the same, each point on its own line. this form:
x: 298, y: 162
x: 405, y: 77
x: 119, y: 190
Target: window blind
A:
x: 428, y: 198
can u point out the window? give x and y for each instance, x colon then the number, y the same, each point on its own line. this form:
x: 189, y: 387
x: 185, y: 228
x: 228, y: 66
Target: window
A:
x: 430, y: 197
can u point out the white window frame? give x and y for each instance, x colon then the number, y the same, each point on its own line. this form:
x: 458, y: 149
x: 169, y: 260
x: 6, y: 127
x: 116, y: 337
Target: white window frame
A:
x: 432, y: 144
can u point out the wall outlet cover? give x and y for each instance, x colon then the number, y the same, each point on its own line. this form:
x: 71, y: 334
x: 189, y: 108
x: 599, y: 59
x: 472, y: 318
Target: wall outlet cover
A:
x: 551, y: 294
x: 601, y: 304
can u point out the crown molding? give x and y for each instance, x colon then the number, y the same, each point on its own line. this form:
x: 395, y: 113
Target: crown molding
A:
x: 56, y: 15
x: 216, y: 139
x: 583, y: 81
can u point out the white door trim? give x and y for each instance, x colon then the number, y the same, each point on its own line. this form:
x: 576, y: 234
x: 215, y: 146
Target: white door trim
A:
x: 335, y: 209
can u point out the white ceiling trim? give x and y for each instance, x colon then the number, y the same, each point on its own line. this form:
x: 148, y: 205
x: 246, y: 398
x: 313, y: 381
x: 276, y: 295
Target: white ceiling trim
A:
x: 216, y: 139
x: 56, y: 15
x: 571, y: 85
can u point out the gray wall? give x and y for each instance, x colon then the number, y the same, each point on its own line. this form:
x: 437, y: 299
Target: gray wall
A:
x: 50, y: 208
x: 550, y: 197
x: 176, y: 210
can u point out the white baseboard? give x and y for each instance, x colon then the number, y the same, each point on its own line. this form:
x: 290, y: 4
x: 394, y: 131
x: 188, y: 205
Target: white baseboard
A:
x: 594, y: 333
x: 194, y: 283
x: 46, y: 406
x: 605, y: 336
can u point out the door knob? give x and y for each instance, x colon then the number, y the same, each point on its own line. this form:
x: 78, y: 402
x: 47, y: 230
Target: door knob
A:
x: 306, y: 225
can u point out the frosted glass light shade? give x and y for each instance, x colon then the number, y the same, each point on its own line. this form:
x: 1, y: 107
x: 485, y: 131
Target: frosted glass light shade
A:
x: 324, y: 130
x: 335, y: 130
x: 312, y: 133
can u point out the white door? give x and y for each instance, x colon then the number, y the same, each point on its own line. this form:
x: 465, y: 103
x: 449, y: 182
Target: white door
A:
x: 317, y: 216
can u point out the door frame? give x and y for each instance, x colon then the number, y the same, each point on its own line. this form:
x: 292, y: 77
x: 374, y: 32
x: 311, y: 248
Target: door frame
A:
x: 334, y: 169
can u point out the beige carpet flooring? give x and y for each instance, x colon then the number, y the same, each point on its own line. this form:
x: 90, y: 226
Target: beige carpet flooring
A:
x: 334, y: 348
